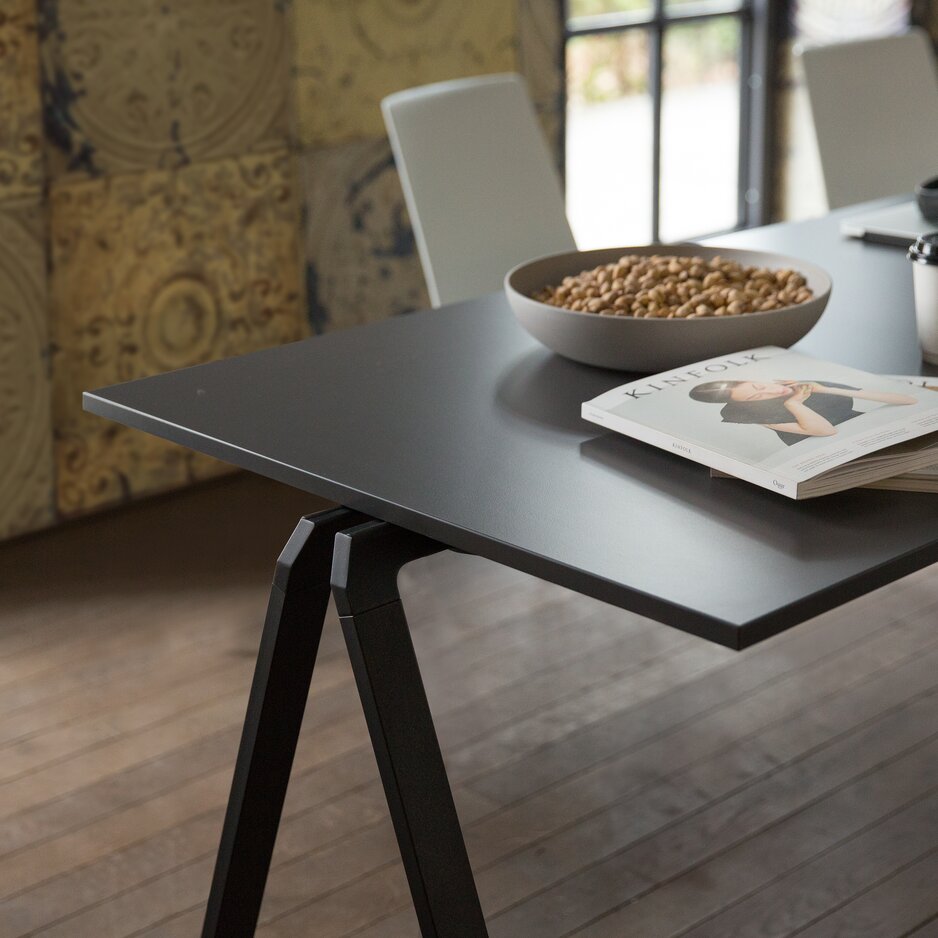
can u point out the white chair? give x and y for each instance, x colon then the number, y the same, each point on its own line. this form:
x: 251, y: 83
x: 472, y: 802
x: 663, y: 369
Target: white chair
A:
x: 479, y: 182
x: 875, y: 107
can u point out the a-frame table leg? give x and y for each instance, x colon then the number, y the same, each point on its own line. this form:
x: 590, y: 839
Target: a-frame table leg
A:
x: 286, y: 658
x: 367, y: 561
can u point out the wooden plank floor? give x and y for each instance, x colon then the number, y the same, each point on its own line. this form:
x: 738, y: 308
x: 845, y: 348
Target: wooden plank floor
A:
x: 615, y: 777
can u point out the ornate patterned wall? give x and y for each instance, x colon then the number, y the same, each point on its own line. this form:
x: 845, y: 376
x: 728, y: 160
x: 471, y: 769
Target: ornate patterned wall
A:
x: 173, y: 213
x: 138, y: 84
x: 361, y: 260
x: 154, y: 271
x: 26, y: 488
x: 182, y: 180
x: 26, y: 499
x: 350, y: 52
x: 20, y: 124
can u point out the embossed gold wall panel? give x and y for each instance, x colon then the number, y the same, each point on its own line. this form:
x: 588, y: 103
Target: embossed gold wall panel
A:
x: 362, y: 261
x: 351, y: 53
x: 20, y: 128
x: 25, y: 422
x: 173, y: 211
x: 152, y: 272
x: 134, y: 84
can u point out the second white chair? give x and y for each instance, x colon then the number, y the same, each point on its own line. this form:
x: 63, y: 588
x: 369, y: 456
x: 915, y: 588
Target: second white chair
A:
x: 875, y: 107
x: 479, y: 182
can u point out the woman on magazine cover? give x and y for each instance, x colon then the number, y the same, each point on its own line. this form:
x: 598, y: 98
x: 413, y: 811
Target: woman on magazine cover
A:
x: 795, y: 410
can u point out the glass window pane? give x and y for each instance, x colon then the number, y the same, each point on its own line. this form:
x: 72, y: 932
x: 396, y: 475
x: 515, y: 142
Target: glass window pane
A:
x: 823, y: 21
x: 576, y: 8
x: 700, y: 128
x: 609, y: 139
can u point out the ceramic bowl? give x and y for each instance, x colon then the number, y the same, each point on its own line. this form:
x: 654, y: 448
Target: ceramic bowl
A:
x: 646, y: 345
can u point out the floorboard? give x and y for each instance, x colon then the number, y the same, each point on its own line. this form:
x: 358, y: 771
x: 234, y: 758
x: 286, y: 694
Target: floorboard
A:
x: 928, y: 930
x: 895, y: 904
x: 614, y: 777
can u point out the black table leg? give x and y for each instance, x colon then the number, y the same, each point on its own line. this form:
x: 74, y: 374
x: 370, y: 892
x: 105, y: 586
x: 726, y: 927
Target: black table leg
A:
x: 364, y: 578
x: 298, y: 599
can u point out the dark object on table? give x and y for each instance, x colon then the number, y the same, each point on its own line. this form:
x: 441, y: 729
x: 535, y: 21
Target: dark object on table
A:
x: 926, y: 194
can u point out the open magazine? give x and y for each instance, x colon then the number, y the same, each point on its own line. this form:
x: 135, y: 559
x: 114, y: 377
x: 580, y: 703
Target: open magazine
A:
x: 919, y: 480
x: 779, y: 419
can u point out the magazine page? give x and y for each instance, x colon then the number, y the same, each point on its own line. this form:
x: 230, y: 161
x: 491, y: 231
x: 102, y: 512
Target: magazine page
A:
x: 920, y: 381
x: 930, y: 473
x: 779, y: 412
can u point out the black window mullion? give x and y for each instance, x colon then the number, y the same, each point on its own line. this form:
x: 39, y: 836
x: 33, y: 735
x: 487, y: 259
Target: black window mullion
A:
x: 618, y: 22
x: 761, y: 78
x: 656, y: 73
x: 744, y: 185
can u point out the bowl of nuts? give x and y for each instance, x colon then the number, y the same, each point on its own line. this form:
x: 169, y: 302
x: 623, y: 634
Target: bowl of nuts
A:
x: 654, y: 307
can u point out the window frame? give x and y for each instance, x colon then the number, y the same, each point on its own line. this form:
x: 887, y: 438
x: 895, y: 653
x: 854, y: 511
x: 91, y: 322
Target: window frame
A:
x: 758, y: 67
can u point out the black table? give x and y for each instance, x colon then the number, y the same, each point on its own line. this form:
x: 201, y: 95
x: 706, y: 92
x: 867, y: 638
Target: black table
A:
x: 452, y: 428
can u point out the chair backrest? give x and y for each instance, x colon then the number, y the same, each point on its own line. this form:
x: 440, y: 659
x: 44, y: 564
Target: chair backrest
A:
x: 875, y: 107
x: 480, y: 186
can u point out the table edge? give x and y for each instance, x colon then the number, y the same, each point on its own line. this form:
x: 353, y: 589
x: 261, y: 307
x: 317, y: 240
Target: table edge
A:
x: 735, y: 635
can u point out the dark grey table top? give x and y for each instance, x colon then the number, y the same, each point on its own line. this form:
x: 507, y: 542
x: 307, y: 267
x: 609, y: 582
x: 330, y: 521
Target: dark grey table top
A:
x: 456, y: 424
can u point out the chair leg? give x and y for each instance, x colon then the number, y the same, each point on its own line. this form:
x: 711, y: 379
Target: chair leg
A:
x: 285, y: 661
x: 365, y: 567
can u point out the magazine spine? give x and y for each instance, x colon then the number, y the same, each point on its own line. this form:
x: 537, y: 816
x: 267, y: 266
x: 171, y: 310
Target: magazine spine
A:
x: 699, y: 454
